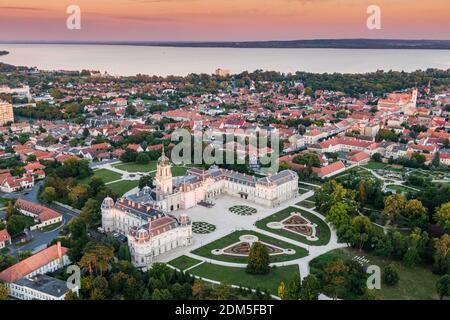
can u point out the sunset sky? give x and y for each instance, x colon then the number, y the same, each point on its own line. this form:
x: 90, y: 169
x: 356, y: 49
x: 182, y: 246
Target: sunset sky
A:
x: 219, y: 20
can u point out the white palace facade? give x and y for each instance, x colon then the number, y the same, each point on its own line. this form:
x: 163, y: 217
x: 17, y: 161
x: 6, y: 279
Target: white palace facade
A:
x: 198, y: 185
x: 146, y: 219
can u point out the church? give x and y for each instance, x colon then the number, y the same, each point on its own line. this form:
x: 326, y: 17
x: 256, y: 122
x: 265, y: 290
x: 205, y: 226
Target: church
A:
x: 146, y: 217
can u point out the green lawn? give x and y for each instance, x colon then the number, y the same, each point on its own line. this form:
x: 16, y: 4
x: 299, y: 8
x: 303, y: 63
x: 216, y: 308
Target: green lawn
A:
x: 105, y: 174
x: 135, y: 167
x: 122, y: 187
x: 52, y: 227
x: 400, y: 189
x: 183, y: 262
x: 306, y: 204
x: 323, y: 229
x: 416, y: 283
x: 307, y: 186
x: 221, y: 243
x: 303, y: 191
x: 179, y: 171
x: 238, y: 276
x: 375, y: 165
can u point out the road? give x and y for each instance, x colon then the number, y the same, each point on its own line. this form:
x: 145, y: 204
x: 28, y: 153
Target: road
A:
x: 39, y: 239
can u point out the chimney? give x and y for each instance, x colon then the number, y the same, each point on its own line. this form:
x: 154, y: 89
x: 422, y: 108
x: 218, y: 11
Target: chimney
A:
x: 60, y: 256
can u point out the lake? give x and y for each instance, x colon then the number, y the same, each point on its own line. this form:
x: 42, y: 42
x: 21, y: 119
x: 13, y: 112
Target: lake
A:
x: 131, y: 60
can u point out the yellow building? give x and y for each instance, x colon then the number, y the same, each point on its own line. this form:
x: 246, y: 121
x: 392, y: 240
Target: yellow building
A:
x: 6, y: 112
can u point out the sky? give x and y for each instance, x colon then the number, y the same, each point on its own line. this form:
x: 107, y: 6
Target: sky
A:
x: 222, y: 20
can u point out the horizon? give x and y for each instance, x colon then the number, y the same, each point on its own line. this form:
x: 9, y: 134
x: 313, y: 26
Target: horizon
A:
x: 25, y: 41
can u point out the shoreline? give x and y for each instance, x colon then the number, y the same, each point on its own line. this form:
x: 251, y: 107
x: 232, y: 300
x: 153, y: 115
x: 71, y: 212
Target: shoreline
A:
x: 363, y: 44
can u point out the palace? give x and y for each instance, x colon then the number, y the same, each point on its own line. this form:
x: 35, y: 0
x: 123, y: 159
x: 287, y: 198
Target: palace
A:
x: 150, y: 232
x: 146, y: 219
x: 173, y: 193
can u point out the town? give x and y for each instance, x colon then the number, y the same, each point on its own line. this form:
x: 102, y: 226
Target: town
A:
x: 88, y: 178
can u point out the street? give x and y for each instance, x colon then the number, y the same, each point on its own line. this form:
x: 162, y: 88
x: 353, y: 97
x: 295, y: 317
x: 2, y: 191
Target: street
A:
x: 39, y: 239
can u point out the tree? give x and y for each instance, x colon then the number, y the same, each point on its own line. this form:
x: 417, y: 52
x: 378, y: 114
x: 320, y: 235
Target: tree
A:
x: 129, y: 156
x: 282, y: 290
x: 443, y: 287
x: 90, y: 214
x: 310, y: 288
x: 394, y: 205
x: 442, y: 216
x: 416, y: 214
x: 17, y: 223
x: 293, y: 288
x: 145, y: 181
x: 97, y: 258
x: 142, y: 158
x: 363, y: 228
x: 331, y: 193
x: 308, y: 159
x: 10, y: 210
x: 71, y: 295
x: 258, y: 259
x: 339, y: 214
x: 334, y: 278
x: 390, y: 275
x: 376, y: 157
x: 4, y: 292
x: 442, y: 255
x: 79, y: 195
x: 49, y: 195
x: 162, y: 294
x: 124, y: 253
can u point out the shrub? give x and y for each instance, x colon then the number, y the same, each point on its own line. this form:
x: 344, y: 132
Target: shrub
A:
x: 390, y: 275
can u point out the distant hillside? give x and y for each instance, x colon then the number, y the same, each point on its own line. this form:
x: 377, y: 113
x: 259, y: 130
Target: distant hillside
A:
x: 319, y: 43
x: 322, y: 43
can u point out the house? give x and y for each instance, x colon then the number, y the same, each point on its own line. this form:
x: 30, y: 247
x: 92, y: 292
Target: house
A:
x: 36, y: 169
x: 444, y: 158
x: 358, y: 157
x: 12, y: 184
x: 5, y: 238
x: 330, y: 170
x: 43, y: 215
x: 135, y: 147
x: 26, y: 279
x: 345, y: 144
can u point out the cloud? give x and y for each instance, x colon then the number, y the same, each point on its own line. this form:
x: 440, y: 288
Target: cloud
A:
x: 128, y: 17
x: 20, y: 8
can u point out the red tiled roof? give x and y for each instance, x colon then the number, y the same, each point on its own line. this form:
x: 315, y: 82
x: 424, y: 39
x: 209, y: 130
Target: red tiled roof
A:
x: 325, y: 171
x: 42, y: 212
x: 36, y: 261
x: 4, y: 235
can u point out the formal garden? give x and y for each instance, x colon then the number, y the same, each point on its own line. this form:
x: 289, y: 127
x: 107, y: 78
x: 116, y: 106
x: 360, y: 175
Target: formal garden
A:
x: 297, y: 232
x: 239, y: 276
x: 235, y: 247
